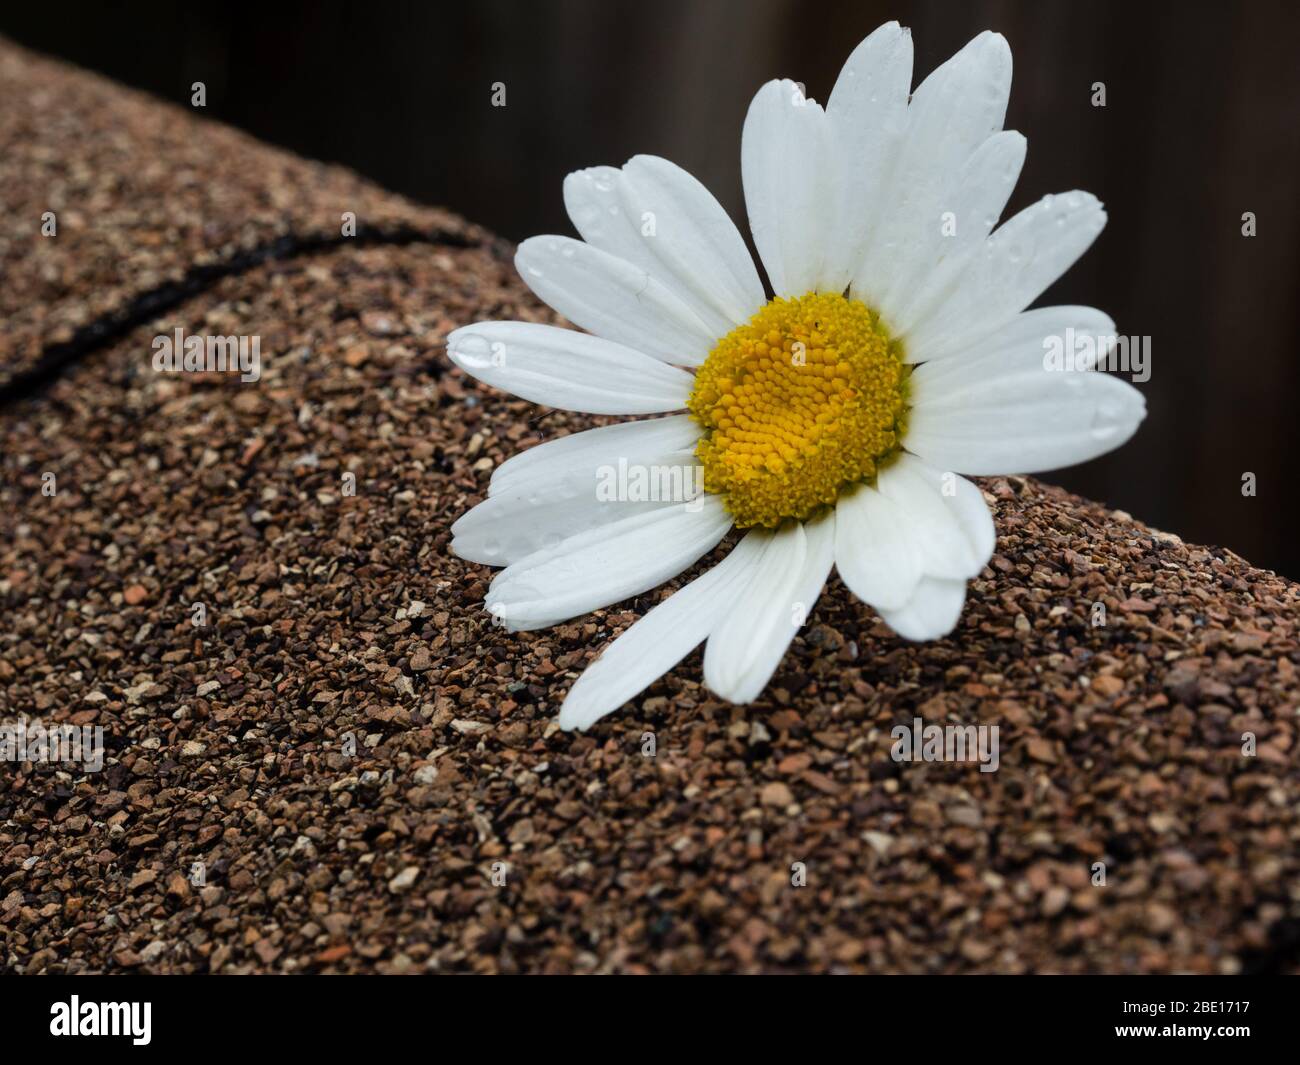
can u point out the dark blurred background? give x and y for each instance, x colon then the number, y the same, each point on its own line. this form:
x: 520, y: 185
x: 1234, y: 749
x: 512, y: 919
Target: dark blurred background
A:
x: 1201, y: 124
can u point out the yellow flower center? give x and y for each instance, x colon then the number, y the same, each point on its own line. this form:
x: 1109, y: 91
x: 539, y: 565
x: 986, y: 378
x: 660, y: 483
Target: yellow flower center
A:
x: 807, y: 397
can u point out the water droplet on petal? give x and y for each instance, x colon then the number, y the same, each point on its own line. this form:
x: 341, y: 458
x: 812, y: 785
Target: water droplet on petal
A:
x: 473, y: 350
x: 1107, y: 420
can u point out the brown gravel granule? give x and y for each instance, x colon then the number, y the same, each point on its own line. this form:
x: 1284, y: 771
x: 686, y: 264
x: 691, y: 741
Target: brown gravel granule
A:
x: 348, y: 768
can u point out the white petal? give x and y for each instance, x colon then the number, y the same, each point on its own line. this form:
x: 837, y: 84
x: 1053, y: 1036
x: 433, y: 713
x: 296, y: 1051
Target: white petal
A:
x: 947, y: 241
x: 658, y: 641
x: 789, y: 172
x: 972, y: 515
x: 867, y: 113
x: 658, y: 217
x: 932, y: 612
x: 1020, y: 345
x: 924, y: 496
x: 597, y: 447
x: 607, y: 564
x: 875, y: 551
x: 1014, y: 267
x: 919, y: 522
x: 612, y: 298
x: 567, y: 369
x: 960, y: 105
x: 1026, y: 422
x: 537, y: 512
x: 782, y: 588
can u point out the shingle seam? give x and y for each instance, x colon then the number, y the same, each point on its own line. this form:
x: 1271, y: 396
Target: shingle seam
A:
x: 58, y: 358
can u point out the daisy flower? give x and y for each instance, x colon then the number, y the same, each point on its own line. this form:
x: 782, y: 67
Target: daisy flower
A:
x: 830, y: 425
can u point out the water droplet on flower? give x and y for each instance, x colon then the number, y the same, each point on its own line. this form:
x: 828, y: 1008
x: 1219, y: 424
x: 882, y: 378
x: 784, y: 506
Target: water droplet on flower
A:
x: 473, y: 350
